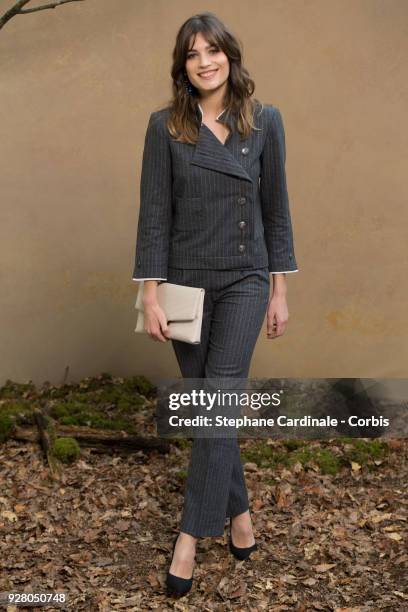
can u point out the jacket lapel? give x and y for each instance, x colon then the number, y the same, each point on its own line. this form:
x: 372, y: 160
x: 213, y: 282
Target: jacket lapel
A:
x: 212, y: 154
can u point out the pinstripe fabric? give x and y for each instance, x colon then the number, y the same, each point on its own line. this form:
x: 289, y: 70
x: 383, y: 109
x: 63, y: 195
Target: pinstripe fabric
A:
x: 235, y: 304
x: 216, y: 216
x: 211, y: 205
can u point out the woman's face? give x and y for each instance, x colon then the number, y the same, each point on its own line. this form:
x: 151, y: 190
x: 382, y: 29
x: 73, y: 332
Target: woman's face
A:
x: 204, y: 58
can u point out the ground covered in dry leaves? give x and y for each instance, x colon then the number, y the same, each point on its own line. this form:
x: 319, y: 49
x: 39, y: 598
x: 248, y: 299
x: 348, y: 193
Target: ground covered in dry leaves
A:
x: 102, y: 531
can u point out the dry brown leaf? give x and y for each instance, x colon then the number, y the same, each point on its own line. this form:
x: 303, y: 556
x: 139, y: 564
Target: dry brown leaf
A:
x: 238, y: 591
x: 378, y: 518
x: 288, y: 579
x: 10, y: 516
x: 394, y: 536
x: 122, y: 525
x: 257, y: 504
x: 401, y: 594
x: 324, y: 567
x: 309, y: 581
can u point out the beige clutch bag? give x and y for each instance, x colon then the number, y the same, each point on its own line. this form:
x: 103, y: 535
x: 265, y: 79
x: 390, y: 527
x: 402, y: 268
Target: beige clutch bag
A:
x: 183, y: 307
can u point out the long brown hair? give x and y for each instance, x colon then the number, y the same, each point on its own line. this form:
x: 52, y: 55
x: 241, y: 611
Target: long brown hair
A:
x: 240, y: 106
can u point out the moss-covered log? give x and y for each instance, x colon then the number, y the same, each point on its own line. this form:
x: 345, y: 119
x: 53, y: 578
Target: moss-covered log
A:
x: 103, y: 440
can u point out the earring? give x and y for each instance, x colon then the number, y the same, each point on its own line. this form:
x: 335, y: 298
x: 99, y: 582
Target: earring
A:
x: 187, y: 85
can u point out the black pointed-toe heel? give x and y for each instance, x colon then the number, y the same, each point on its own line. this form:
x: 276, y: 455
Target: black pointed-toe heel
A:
x: 176, y: 586
x: 238, y: 551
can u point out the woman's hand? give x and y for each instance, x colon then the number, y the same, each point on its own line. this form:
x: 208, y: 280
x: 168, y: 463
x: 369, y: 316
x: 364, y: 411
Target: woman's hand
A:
x: 277, y: 316
x: 155, y: 321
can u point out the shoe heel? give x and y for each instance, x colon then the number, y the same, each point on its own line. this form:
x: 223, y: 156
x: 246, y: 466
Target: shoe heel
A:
x: 240, y: 553
x: 176, y: 586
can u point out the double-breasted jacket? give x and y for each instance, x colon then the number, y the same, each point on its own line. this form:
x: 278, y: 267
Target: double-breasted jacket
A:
x: 213, y: 205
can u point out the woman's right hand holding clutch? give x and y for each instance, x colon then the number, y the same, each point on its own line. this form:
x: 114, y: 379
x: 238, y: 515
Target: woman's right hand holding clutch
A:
x: 155, y: 321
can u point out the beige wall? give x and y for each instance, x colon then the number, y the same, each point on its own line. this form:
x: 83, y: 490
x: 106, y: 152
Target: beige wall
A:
x: 77, y: 86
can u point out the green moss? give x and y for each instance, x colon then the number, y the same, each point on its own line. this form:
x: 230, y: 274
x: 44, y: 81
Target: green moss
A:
x: 77, y: 413
x: 59, y: 410
x: 111, y: 405
x: 6, y: 427
x: 105, y: 383
x: 88, y: 419
x: 140, y: 384
x: 293, y: 443
x: 125, y: 401
x: 128, y: 405
x: 14, y: 390
x: 327, y: 461
x: 101, y: 401
x: 66, y: 450
x: 269, y: 481
x: 364, y: 451
x: 182, y: 443
x: 182, y: 475
x: 302, y: 455
x: 345, y: 440
x: 264, y: 455
x: 92, y: 383
x: 19, y: 410
x: 358, y: 450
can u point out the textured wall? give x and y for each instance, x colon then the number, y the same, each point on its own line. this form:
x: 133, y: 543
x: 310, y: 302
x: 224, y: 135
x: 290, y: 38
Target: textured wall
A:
x: 77, y: 86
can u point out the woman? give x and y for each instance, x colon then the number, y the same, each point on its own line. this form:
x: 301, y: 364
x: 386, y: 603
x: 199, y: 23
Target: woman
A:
x: 214, y: 213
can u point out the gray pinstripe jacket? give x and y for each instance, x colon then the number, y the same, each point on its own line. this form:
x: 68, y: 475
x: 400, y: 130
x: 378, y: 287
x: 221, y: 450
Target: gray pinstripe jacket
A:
x: 212, y: 205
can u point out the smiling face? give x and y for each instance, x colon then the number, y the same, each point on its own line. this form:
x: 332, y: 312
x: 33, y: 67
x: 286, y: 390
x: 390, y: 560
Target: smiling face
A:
x: 207, y: 66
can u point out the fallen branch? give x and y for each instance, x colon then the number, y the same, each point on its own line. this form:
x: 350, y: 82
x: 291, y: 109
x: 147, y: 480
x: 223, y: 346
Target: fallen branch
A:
x: 102, y: 440
x: 44, y: 438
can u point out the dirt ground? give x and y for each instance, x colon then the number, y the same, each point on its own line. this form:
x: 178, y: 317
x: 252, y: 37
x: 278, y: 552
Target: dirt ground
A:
x: 102, y: 533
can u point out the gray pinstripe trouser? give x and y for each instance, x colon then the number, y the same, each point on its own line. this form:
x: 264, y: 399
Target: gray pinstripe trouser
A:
x: 235, y: 305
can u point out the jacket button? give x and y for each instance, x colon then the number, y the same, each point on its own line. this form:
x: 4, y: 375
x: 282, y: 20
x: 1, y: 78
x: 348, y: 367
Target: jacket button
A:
x: 242, y: 224
x: 245, y: 151
x: 241, y: 200
x: 242, y: 247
